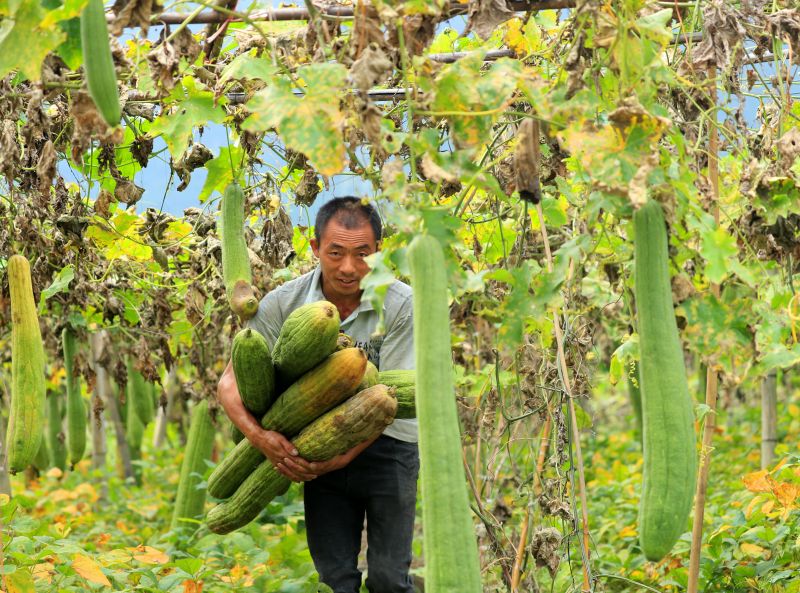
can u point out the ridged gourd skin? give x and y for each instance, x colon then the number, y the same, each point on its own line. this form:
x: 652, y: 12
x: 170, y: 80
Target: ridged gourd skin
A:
x: 190, y: 500
x: 76, y: 409
x: 134, y: 427
x: 405, y: 383
x: 669, y: 471
x: 449, y: 544
x: 101, y: 78
x: 252, y: 367
x: 42, y: 460
x: 139, y: 395
x: 134, y: 431
x: 308, y: 337
x: 370, y: 377
x: 26, y: 421
x: 56, y: 439
x: 235, y: 258
x: 134, y: 435
x: 362, y: 417
x: 313, y: 394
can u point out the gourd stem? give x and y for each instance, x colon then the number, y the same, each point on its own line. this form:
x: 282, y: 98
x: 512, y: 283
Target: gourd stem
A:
x: 562, y: 361
x: 711, y: 373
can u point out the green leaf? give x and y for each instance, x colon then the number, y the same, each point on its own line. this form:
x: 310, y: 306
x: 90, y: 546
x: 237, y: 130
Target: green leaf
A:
x: 376, y: 283
x: 70, y: 50
x: 439, y: 223
x: 248, y: 66
x: 63, y: 11
x: 701, y: 411
x: 192, y: 108
x: 582, y: 419
x: 781, y: 357
x: 547, y: 285
x: 222, y: 170
x: 499, y: 243
x: 656, y: 25
x: 472, y: 100
x: 719, y: 250
x: 311, y: 124
x: 60, y: 284
x: 25, y: 40
x: 517, y: 307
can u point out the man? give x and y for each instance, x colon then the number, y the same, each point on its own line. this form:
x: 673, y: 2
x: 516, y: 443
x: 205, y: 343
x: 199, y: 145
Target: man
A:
x: 376, y: 479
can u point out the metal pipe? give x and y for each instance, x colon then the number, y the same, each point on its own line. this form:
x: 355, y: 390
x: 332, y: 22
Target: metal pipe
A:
x: 301, y: 14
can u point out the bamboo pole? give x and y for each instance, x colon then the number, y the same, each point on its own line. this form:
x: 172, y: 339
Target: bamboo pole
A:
x: 516, y: 571
x: 711, y: 373
x: 769, y: 419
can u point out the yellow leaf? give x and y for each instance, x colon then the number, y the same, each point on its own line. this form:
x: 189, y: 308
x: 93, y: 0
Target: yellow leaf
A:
x: 786, y: 493
x: 515, y: 38
x: 89, y: 570
x: 779, y: 465
x: 44, y: 571
x: 19, y: 581
x: 149, y: 555
x: 794, y: 410
x: 4, y: 499
x: 122, y: 526
x: 753, y: 504
x: 116, y: 556
x: 758, y: 481
x: 768, y: 506
x: 719, y: 530
x: 754, y: 550
x: 87, y: 490
x: 57, y: 375
x: 190, y: 586
x: 629, y: 531
x: 54, y: 473
x: 61, y: 495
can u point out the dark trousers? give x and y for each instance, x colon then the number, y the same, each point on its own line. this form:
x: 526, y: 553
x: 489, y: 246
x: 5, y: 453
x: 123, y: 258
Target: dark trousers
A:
x: 381, y: 485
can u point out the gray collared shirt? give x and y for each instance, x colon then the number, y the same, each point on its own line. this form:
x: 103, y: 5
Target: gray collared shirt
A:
x: 392, y: 350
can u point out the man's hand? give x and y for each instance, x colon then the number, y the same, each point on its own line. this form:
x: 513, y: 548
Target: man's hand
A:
x: 340, y: 461
x: 282, y: 454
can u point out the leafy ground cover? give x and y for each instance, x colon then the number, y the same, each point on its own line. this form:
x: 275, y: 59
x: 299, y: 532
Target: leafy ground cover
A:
x: 77, y: 532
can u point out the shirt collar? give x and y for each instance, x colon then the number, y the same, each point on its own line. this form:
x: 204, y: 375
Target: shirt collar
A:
x: 315, y: 293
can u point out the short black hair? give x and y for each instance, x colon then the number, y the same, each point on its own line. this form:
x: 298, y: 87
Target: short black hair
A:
x: 351, y: 212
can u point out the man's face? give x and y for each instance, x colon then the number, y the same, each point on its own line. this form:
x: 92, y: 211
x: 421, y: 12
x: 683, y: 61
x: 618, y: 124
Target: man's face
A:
x: 341, y: 252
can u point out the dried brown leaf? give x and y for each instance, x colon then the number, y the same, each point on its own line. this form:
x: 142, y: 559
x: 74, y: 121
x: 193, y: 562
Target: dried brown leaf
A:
x: 370, y: 68
x: 128, y: 192
x: 545, y: 546
x: 132, y: 13
x: 486, y: 15
x: 46, y: 168
x: 197, y: 156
